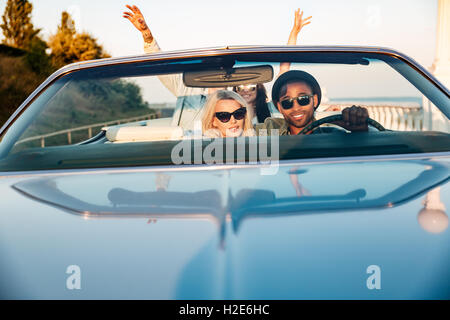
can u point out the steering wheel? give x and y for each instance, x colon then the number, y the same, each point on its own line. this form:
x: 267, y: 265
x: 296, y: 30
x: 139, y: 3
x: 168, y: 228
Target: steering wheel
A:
x: 310, y: 127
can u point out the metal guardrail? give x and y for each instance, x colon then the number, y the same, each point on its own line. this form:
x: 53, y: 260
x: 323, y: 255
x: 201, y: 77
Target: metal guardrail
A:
x: 395, y: 117
x: 69, y: 132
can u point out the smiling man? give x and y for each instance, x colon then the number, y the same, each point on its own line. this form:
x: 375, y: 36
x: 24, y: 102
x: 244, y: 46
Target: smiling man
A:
x: 297, y: 95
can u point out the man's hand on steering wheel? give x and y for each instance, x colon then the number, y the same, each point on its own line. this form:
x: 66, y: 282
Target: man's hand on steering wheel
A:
x: 354, y: 119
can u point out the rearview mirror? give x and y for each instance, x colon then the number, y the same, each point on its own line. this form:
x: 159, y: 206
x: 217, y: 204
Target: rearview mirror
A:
x: 230, y: 77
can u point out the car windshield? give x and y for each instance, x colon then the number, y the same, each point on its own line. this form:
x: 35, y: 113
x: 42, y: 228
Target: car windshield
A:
x: 153, y: 112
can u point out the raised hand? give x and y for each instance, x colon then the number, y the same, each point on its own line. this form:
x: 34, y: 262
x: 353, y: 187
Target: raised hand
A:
x: 299, y: 22
x: 137, y: 19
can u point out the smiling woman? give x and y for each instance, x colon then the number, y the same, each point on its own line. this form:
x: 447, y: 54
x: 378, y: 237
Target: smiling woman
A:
x: 226, y: 114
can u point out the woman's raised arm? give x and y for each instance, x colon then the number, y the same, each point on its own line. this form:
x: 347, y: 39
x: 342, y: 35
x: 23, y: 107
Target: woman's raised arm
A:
x: 299, y: 23
x: 138, y: 21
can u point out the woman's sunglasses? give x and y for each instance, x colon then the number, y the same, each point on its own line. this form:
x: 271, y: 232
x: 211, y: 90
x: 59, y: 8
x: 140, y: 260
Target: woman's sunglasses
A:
x: 301, y: 100
x: 248, y: 87
x: 238, y: 114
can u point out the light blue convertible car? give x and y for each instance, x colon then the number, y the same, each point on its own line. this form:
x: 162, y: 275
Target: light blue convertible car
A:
x: 110, y: 189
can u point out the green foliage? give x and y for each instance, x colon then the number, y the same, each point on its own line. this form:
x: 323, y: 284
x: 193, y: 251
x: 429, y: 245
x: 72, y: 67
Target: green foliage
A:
x: 17, y: 81
x: 24, y: 63
x: 68, y: 46
x: 85, y: 47
x: 17, y: 27
x: 119, y: 94
x: 87, y: 102
x: 11, y: 51
x: 37, y: 58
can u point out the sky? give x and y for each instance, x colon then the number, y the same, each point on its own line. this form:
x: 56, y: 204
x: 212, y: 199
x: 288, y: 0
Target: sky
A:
x: 408, y: 26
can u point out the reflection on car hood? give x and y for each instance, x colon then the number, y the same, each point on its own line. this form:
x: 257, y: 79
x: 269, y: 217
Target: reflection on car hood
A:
x: 228, y: 192
x: 308, y: 231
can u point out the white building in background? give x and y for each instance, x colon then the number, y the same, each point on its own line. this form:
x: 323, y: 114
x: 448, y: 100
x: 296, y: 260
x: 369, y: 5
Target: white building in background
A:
x: 433, y: 118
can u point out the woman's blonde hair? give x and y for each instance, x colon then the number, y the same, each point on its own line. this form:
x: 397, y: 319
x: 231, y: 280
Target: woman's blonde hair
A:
x: 210, y: 110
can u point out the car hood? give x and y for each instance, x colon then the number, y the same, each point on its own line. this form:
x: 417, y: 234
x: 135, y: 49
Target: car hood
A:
x: 309, y: 230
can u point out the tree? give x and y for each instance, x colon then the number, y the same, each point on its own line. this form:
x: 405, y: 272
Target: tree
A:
x: 17, y: 27
x: 61, y: 42
x: 68, y: 46
x: 37, y: 58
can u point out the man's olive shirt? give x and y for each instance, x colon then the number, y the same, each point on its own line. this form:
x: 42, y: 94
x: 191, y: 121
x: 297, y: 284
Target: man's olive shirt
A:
x: 283, y: 128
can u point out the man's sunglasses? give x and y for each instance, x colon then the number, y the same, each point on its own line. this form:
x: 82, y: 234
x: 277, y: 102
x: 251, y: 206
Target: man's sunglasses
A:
x: 238, y: 114
x: 301, y: 100
x: 249, y: 87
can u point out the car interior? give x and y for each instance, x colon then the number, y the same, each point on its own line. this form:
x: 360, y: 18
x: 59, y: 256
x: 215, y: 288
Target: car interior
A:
x: 134, y: 114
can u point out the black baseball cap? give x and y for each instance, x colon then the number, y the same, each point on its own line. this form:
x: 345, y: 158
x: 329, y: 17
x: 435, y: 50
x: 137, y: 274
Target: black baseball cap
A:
x: 293, y: 76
